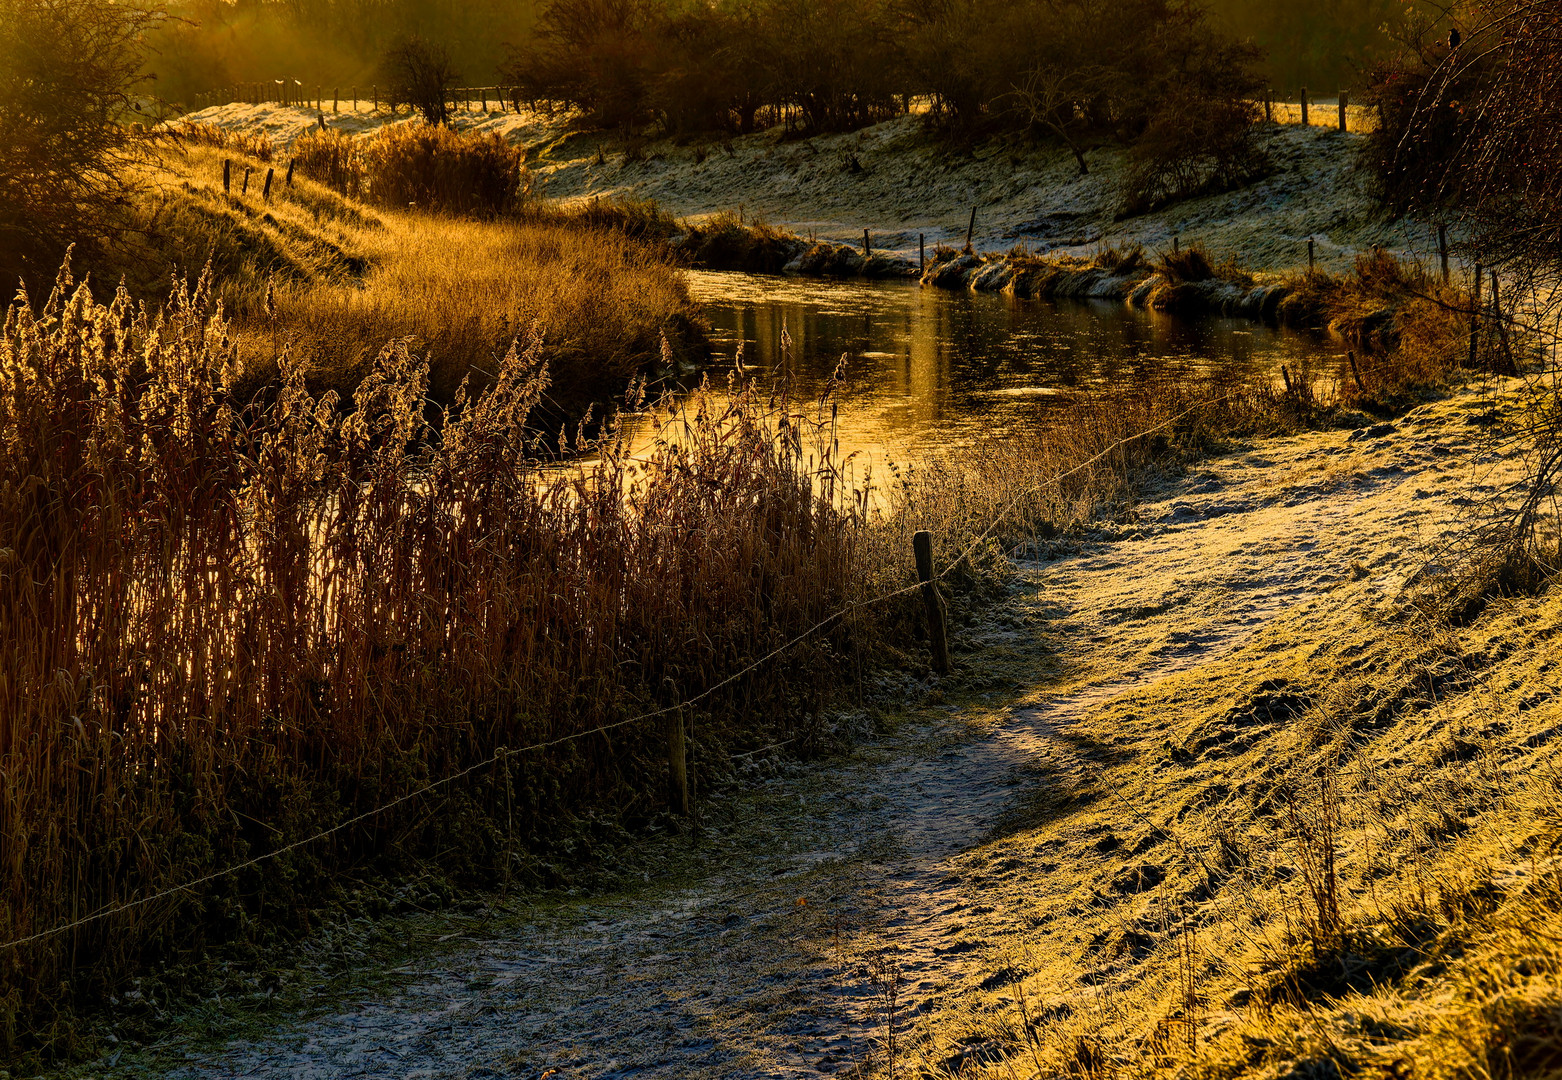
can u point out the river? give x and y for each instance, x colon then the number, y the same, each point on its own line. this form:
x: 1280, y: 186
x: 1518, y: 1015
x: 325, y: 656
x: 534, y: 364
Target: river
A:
x: 927, y: 369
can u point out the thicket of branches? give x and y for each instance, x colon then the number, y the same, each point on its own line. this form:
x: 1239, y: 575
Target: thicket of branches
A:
x: 1151, y: 73
x: 67, y: 71
x: 1472, y: 136
x: 418, y: 73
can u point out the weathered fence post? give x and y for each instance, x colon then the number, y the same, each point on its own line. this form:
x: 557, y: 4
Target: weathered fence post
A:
x: 290, y: 163
x: 227, y: 177
x: 970, y: 230
x: 677, y: 759
x: 1442, y: 250
x: 1475, y: 316
x: 921, y: 252
x: 1355, y: 371
x: 336, y: 99
x: 1304, y: 107
x: 1285, y: 373
x: 1310, y: 259
x: 867, y: 252
x: 1501, y: 324
x: 266, y: 194
x: 1176, y: 244
x: 244, y: 188
x: 1269, y: 106
x: 937, y: 614
x: 376, y: 91
x: 1344, y: 104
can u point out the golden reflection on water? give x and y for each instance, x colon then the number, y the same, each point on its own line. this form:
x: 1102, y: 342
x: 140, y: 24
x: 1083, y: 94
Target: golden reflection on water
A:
x: 929, y: 368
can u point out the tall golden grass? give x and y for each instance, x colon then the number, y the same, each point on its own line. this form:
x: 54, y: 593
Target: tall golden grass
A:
x: 224, y: 628
x: 420, y: 165
x: 343, y: 277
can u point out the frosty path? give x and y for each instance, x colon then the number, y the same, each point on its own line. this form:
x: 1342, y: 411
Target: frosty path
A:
x: 856, y: 878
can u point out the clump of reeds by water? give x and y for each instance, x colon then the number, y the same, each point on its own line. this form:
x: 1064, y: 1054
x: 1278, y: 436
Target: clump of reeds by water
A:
x: 427, y: 166
x: 223, y: 628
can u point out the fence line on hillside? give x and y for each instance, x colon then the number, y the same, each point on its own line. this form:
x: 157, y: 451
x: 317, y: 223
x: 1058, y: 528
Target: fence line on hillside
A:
x: 1303, y: 109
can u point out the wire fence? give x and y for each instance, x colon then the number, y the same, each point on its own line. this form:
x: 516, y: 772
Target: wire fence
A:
x: 504, y: 753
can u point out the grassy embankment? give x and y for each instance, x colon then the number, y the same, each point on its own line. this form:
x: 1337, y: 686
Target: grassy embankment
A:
x: 1332, y: 852
x: 331, y: 278
x: 228, y: 626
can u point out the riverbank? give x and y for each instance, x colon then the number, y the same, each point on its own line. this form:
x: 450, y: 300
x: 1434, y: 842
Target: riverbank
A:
x: 901, y: 182
x: 1092, y: 844
x: 327, y: 281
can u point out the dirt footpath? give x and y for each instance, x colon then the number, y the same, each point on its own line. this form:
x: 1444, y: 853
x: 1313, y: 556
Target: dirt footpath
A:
x: 902, y: 895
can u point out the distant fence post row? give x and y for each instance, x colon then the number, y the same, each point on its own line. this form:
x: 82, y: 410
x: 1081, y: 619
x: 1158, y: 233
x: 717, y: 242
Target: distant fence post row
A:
x: 292, y: 92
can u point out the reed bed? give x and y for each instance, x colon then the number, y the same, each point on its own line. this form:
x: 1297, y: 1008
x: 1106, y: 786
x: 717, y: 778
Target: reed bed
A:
x: 330, y: 279
x: 428, y: 166
x: 224, y: 628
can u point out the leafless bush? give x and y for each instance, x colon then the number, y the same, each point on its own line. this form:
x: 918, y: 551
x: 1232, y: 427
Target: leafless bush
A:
x: 1472, y: 136
x: 420, y: 74
x: 67, y: 72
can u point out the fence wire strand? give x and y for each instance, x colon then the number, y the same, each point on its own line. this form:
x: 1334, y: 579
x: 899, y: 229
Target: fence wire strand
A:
x: 504, y: 753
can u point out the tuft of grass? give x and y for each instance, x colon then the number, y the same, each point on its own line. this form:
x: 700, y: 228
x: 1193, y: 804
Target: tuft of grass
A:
x: 257, y: 145
x: 422, y: 166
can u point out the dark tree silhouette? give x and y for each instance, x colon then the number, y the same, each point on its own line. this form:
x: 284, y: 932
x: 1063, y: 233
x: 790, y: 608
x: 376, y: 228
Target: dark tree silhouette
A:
x: 67, y: 72
x: 420, y: 73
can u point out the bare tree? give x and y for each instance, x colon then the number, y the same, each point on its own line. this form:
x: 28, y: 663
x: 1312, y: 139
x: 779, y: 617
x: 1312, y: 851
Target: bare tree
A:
x: 420, y: 73
x: 68, y: 69
x: 1472, y: 137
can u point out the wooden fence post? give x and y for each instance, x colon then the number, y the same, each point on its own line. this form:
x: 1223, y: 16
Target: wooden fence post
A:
x: 1304, y: 107
x: 867, y: 252
x: 1475, y: 316
x: 921, y: 252
x: 1355, y: 371
x: 336, y: 99
x: 970, y: 230
x: 1344, y: 104
x: 227, y: 177
x: 244, y: 188
x: 677, y: 759
x: 1269, y: 106
x: 1285, y: 373
x: 1442, y: 250
x: 290, y: 163
x: 937, y: 614
x: 376, y: 90
x: 266, y: 194
x: 1310, y: 262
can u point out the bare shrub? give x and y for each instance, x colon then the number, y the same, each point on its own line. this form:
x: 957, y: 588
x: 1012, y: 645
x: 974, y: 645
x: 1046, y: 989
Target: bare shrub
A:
x: 68, y: 69
x: 420, y: 75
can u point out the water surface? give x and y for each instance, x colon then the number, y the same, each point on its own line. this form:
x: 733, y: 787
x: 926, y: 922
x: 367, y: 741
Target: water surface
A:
x: 932, y: 368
